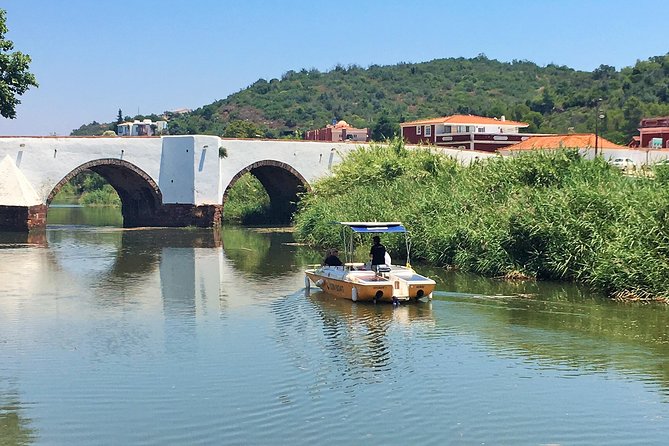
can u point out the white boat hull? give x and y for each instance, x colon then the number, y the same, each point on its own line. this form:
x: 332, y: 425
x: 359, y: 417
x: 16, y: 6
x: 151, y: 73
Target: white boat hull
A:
x: 351, y: 282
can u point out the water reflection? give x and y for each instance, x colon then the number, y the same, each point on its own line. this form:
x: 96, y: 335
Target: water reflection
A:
x: 358, y: 334
x: 260, y: 252
x: 15, y: 428
x: 562, y: 325
x: 201, y: 271
x: 12, y: 240
x: 171, y: 313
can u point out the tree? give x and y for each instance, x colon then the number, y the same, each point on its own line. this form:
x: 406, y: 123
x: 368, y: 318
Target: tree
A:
x: 242, y: 129
x: 15, y: 79
x: 384, y: 129
x: 633, y: 113
x: 119, y: 118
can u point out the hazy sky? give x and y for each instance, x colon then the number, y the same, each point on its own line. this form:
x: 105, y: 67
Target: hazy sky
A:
x: 93, y: 57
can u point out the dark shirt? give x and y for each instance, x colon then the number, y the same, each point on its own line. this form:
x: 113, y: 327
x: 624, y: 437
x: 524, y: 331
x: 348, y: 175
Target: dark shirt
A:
x: 378, y: 253
x: 332, y: 260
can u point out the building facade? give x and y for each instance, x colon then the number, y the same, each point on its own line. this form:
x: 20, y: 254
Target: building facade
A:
x: 654, y: 133
x: 467, y: 132
x: 341, y: 131
x: 141, y: 128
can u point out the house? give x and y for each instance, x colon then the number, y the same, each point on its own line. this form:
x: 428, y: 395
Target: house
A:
x: 336, y: 132
x: 654, y: 133
x: 464, y: 132
x: 141, y: 128
x: 635, y: 142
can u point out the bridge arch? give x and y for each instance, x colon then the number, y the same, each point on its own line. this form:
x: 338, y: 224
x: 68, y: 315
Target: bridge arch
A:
x: 281, y: 181
x: 140, y: 195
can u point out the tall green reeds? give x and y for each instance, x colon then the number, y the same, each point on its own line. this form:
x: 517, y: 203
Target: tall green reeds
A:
x: 549, y: 215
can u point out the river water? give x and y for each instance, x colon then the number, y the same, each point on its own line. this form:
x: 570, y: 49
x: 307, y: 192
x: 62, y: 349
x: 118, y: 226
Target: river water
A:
x: 184, y: 336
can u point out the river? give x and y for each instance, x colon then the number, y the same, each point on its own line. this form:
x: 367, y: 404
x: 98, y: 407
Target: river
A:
x: 189, y: 336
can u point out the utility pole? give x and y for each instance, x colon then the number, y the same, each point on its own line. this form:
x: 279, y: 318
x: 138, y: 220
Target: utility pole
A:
x: 598, y: 116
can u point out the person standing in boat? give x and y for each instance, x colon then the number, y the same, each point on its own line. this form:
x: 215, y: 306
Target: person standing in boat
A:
x: 377, y: 253
x: 332, y: 259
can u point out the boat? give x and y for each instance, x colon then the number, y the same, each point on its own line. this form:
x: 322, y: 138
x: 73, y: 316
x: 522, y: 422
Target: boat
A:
x: 360, y: 283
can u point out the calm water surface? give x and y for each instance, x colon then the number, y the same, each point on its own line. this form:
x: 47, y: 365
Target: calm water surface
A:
x: 179, y: 336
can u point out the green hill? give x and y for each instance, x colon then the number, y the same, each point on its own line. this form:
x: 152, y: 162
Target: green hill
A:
x: 551, y: 98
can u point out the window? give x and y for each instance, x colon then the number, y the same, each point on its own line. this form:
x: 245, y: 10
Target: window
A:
x: 428, y: 130
x: 481, y: 130
x: 418, y: 129
x: 447, y: 129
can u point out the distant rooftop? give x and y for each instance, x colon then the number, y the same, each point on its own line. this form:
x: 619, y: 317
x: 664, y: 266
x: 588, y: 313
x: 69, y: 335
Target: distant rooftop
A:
x: 466, y: 120
x: 571, y: 140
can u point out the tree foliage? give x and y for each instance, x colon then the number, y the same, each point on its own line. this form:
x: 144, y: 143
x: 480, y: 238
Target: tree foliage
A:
x: 242, y: 129
x: 15, y: 79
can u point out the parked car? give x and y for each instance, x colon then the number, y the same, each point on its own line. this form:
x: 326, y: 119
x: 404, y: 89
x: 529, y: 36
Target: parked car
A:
x: 623, y: 163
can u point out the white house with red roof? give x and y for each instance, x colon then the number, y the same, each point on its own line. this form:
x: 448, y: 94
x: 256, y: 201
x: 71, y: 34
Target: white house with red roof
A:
x: 465, y: 132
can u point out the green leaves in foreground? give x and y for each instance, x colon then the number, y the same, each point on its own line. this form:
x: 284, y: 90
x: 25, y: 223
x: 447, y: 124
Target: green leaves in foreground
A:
x: 549, y: 215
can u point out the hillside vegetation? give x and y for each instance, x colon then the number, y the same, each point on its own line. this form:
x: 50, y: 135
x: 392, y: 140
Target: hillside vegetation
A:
x: 541, y: 215
x: 551, y: 98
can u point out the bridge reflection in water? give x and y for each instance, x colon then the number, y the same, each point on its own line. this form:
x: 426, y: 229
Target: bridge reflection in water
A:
x: 142, y: 305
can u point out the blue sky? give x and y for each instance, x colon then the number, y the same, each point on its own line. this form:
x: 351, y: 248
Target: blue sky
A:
x: 92, y: 58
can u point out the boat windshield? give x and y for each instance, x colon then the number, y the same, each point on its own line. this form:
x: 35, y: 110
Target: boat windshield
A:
x: 367, y: 227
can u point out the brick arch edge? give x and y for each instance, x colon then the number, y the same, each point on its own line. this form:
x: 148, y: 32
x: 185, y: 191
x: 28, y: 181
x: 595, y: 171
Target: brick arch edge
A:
x: 107, y: 162
x: 266, y: 163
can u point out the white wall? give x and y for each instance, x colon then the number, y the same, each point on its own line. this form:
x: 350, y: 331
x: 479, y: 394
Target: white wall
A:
x: 312, y: 159
x: 44, y: 161
x: 177, y: 174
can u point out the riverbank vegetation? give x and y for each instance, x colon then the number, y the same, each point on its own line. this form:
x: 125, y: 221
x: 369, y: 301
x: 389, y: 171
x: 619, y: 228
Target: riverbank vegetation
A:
x: 544, y: 215
x: 88, y: 189
x: 247, y: 201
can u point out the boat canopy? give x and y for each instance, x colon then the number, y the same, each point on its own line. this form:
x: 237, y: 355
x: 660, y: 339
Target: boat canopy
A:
x: 374, y: 226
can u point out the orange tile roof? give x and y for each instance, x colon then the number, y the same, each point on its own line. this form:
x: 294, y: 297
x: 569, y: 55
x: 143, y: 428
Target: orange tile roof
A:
x: 465, y: 120
x: 572, y: 140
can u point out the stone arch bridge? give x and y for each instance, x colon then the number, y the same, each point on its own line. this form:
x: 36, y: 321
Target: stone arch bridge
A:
x: 161, y: 181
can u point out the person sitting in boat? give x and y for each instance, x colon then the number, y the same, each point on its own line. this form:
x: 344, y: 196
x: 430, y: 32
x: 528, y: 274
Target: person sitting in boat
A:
x: 377, y: 253
x: 332, y: 259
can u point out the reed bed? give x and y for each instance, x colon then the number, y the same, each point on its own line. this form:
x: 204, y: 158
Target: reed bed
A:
x: 545, y: 215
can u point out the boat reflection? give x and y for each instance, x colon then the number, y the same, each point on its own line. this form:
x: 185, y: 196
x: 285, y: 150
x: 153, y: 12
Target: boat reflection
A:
x: 363, y: 334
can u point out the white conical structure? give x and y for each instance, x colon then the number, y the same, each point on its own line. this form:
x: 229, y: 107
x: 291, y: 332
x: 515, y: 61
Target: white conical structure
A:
x: 15, y: 189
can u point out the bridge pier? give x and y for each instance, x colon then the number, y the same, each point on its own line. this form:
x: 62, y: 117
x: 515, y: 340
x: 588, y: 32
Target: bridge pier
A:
x: 22, y: 218
x: 176, y: 216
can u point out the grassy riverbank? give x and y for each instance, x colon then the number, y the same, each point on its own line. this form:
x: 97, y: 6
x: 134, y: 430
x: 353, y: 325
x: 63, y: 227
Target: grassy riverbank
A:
x: 541, y: 215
